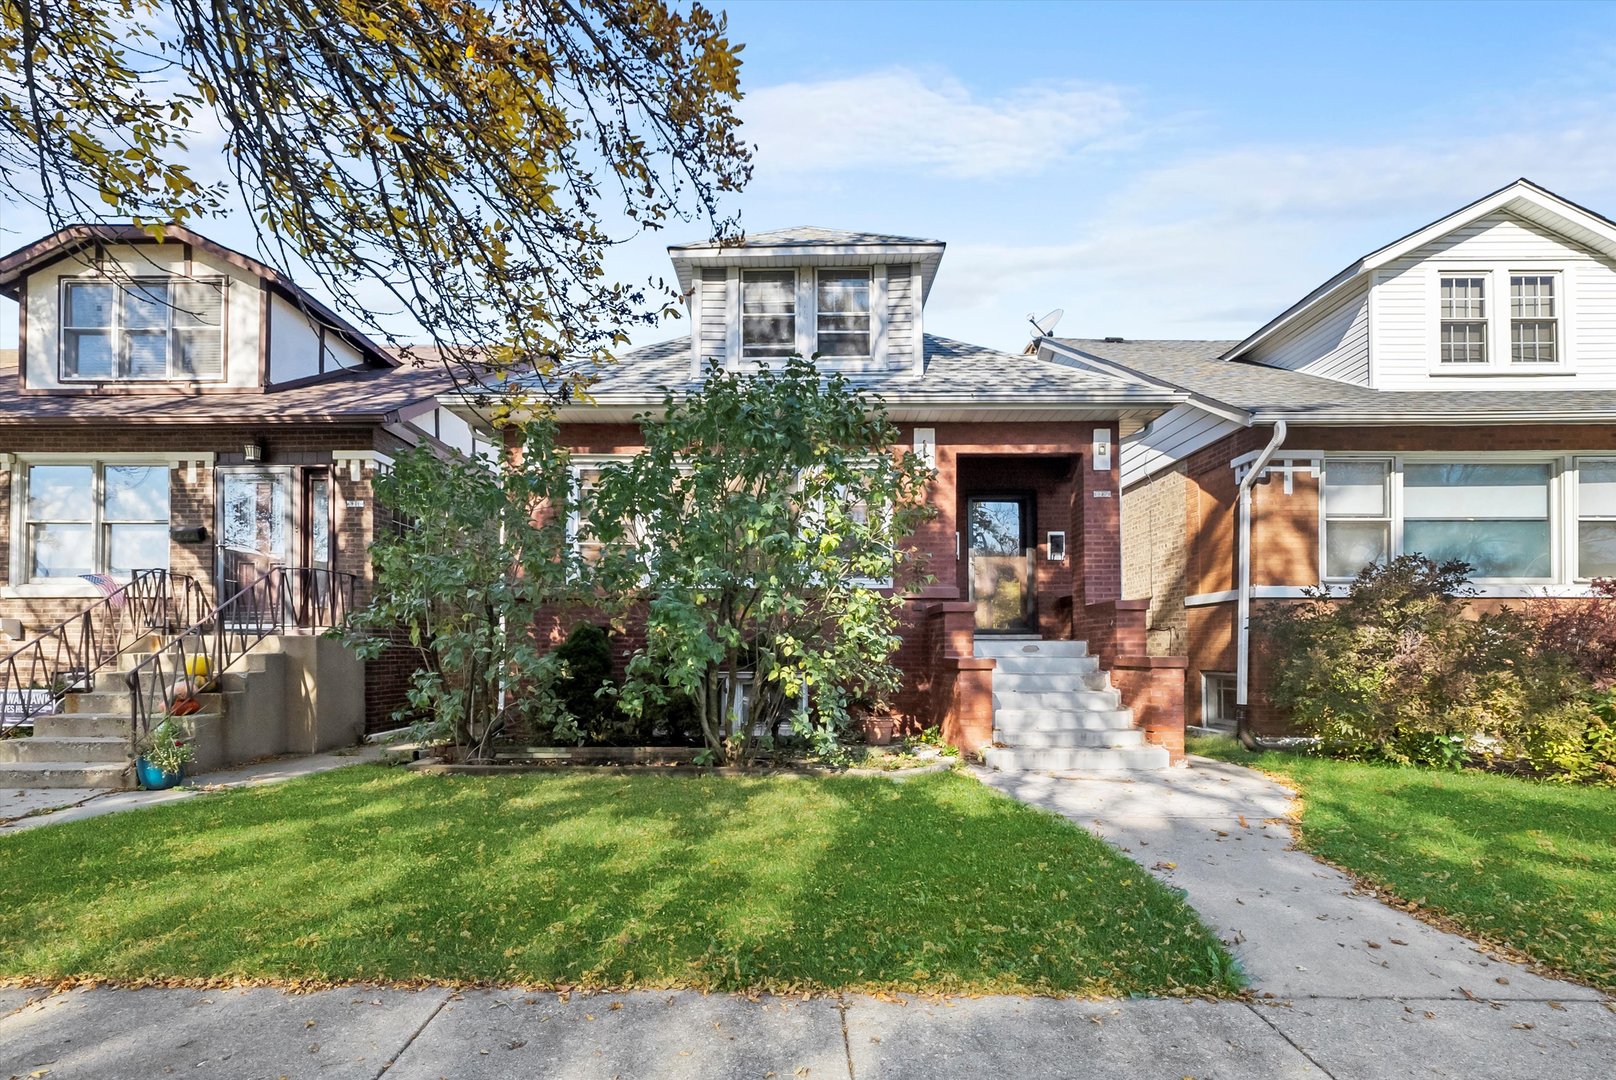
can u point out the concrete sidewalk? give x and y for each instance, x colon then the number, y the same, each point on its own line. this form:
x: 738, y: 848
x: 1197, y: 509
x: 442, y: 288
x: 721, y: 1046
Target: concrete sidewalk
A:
x: 427, y: 1034
x: 1299, y: 928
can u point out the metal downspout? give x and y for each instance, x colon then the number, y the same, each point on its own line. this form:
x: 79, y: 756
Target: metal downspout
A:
x: 1243, y: 586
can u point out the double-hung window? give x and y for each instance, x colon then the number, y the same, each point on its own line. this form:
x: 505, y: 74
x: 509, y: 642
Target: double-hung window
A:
x: 1534, y: 324
x: 94, y: 517
x: 144, y: 329
x: 1596, y: 518
x: 768, y: 314
x: 1357, y: 515
x: 1464, y: 319
x: 843, y: 315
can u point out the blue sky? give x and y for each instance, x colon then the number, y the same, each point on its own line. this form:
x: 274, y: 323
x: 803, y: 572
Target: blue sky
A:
x: 1158, y: 170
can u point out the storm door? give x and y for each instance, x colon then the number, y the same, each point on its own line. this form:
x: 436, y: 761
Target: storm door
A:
x: 1001, y: 563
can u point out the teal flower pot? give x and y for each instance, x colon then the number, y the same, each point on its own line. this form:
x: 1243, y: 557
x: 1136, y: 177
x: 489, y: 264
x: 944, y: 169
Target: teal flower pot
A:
x: 154, y: 779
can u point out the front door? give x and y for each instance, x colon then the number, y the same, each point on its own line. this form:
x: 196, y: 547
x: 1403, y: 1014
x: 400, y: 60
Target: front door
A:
x: 1000, y: 570
x: 255, y: 526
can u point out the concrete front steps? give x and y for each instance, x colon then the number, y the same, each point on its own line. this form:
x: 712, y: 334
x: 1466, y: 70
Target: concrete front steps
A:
x: 1054, y: 710
x: 86, y: 745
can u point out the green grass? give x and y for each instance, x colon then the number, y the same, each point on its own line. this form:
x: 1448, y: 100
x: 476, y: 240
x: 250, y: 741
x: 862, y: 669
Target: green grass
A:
x: 810, y: 883
x: 1521, y: 863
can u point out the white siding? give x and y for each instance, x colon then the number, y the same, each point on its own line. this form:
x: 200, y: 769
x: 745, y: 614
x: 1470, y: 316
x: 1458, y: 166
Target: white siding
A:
x: 294, y: 343
x: 1172, y: 436
x: 900, y: 321
x: 710, y: 317
x: 1404, y: 303
x: 339, y: 355
x: 44, y: 293
x: 1331, y: 341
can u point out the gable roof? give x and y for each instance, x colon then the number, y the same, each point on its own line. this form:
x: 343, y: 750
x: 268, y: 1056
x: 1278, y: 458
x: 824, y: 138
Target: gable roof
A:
x: 958, y: 378
x: 17, y: 265
x: 792, y: 246
x: 1522, y: 197
x: 1260, y: 394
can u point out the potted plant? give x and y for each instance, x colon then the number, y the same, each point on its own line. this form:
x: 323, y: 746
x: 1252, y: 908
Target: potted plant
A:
x: 164, y: 753
x: 878, y: 722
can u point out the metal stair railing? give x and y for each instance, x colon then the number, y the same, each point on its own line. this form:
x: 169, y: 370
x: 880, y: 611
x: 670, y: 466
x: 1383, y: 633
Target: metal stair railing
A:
x: 189, y: 663
x: 36, y: 676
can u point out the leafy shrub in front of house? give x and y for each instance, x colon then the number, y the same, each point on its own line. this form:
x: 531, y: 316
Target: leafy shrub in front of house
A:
x: 462, y: 586
x: 586, y: 671
x: 755, y: 531
x: 1583, y: 631
x: 1402, y: 669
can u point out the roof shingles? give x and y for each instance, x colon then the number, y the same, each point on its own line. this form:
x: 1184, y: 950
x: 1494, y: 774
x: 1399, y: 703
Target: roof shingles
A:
x: 954, y: 370
x: 1277, y: 393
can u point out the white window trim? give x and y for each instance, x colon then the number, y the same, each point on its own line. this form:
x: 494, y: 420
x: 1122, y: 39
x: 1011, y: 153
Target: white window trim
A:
x: 807, y: 318
x: 1574, y: 516
x: 869, y: 272
x: 1562, y: 514
x: 20, y: 585
x: 117, y: 329
x: 1206, y: 696
x: 1496, y: 276
x: 741, y: 354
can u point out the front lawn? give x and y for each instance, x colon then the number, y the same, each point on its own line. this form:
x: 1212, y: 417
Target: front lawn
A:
x: 1522, y: 863
x: 368, y: 873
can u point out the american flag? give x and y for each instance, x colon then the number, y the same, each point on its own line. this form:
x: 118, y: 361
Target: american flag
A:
x: 106, y: 583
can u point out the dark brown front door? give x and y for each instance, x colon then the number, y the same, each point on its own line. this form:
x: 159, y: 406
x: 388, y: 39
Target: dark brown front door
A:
x: 1000, y: 567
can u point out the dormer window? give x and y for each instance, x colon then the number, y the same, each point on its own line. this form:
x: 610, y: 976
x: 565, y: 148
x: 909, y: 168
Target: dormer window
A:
x: 1464, y: 319
x: 1533, y: 322
x: 843, y: 329
x: 768, y: 314
x: 146, y: 329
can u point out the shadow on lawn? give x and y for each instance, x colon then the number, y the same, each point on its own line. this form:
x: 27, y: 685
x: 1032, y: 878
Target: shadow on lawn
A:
x: 601, y: 880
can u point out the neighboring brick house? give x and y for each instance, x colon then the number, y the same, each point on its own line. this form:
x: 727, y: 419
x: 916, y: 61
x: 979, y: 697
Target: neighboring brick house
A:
x: 1453, y: 393
x: 181, y: 406
x: 1026, y: 547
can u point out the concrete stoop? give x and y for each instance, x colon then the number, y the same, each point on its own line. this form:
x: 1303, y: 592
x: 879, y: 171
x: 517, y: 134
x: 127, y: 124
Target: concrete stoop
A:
x: 292, y: 693
x: 1055, y: 710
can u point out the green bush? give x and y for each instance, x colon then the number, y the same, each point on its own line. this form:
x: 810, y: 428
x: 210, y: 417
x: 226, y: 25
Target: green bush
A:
x: 1401, y: 669
x: 588, y: 692
x: 586, y: 663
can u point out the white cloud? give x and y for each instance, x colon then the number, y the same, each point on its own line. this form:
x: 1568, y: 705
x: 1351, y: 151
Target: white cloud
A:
x: 1213, y: 244
x: 902, y: 119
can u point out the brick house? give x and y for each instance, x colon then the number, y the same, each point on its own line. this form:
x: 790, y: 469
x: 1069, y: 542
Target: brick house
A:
x: 1452, y: 393
x: 182, y: 407
x: 1026, y: 638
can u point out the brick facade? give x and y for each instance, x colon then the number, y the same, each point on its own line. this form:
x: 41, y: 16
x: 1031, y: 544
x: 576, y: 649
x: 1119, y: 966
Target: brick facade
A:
x: 945, y: 684
x: 1285, y: 530
x: 304, y: 449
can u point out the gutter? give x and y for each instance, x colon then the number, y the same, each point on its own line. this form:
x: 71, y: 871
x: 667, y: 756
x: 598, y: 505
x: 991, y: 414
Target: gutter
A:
x: 1243, y: 586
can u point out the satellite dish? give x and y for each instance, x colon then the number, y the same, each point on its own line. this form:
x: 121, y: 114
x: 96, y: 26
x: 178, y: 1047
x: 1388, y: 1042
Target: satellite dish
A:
x: 1047, y: 324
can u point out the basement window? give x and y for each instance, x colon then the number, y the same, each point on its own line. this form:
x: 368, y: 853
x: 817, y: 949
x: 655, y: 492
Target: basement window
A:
x: 1217, y: 701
